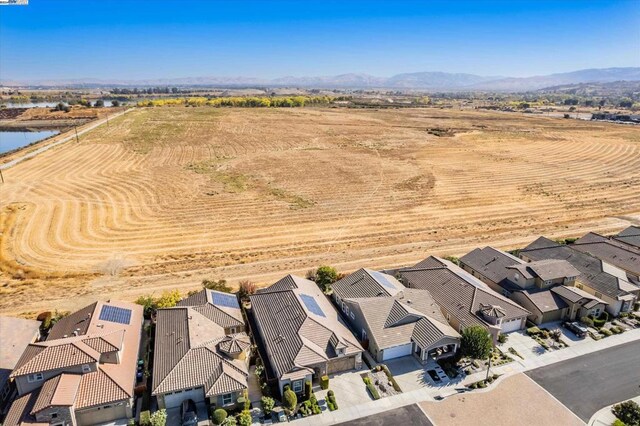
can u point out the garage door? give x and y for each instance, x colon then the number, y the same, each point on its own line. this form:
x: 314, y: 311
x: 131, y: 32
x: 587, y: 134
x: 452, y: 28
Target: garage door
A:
x: 175, y: 399
x: 396, y: 352
x: 513, y: 325
x: 101, y: 415
x: 337, y: 365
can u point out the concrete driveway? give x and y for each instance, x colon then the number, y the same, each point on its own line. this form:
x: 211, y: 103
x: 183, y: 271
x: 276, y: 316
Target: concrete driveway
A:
x: 411, y: 375
x: 173, y: 415
x: 348, y: 387
x: 523, y: 344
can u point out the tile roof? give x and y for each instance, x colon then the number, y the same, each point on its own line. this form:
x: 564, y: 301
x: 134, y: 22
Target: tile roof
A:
x: 411, y: 315
x: 574, y: 294
x: 622, y: 255
x: 191, y: 348
x: 630, y: 236
x: 366, y: 283
x: 88, y: 337
x: 458, y: 292
x: 546, y: 269
x: 491, y: 263
x: 295, y: 334
x: 545, y: 300
x: 598, y: 275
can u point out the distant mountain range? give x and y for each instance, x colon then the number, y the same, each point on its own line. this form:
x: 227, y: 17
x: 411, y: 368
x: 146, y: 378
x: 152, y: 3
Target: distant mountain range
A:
x: 429, y: 81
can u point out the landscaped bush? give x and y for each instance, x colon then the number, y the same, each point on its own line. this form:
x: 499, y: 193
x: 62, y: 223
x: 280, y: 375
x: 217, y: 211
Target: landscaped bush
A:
x: 587, y: 321
x: 289, y: 399
x: 145, y: 418
x: 482, y: 385
x: 391, y: 379
x: 244, y: 419
x: 267, y: 404
x: 601, y: 320
x: 159, y: 418
x: 606, y: 332
x: 372, y: 389
x: 618, y: 422
x: 628, y: 412
x: 502, y: 338
x: 219, y: 416
x: 231, y: 421
x: 324, y: 382
x: 533, y: 331
x: 307, y: 390
x: 331, y: 401
x: 636, y: 306
x: 616, y: 330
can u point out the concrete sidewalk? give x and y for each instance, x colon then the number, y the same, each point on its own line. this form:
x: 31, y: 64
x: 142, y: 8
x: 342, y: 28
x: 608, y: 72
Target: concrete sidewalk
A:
x: 345, y: 413
x: 604, y: 417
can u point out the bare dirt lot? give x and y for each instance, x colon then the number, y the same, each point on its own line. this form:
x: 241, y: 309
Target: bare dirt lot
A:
x: 162, y: 198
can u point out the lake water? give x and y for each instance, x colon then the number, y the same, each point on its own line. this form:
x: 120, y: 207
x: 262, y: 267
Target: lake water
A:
x: 13, y: 140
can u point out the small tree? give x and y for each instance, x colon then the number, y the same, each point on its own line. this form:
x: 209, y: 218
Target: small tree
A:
x: 628, y: 412
x: 476, y: 342
x: 219, y: 285
x: 325, y: 276
x: 115, y: 103
x: 99, y: 103
x: 244, y: 419
x: 148, y: 303
x: 246, y: 289
x: 290, y: 399
x: 307, y: 389
x: 219, y: 416
x: 159, y: 418
x: 169, y: 299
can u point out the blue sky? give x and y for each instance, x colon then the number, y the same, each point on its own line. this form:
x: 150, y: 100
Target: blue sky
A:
x: 165, y: 39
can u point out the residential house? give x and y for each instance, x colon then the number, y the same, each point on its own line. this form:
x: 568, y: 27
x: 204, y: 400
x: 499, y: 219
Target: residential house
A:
x: 408, y: 323
x: 301, y: 334
x: 84, y: 373
x: 629, y: 236
x: 616, y: 253
x: 16, y: 334
x: 544, y: 305
x: 201, y: 351
x: 364, y: 283
x: 463, y: 299
x: 579, y: 303
x: 598, y: 278
x: 490, y: 265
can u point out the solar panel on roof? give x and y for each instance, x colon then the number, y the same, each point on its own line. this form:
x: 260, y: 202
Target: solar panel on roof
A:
x: 115, y: 314
x: 382, y: 279
x: 226, y: 300
x: 312, y: 305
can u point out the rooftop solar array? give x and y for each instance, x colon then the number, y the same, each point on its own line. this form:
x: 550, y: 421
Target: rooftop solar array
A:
x: 226, y: 300
x: 383, y: 279
x: 312, y: 305
x: 115, y: 314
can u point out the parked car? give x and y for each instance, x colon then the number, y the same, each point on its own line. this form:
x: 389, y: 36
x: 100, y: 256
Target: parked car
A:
x: 577, y: 329
x: 189, y: 413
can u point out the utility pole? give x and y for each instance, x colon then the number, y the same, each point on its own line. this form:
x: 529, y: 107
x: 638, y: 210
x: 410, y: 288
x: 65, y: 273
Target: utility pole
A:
x: 1, y: 177
x: 489, y: 367
x: 77, y: 139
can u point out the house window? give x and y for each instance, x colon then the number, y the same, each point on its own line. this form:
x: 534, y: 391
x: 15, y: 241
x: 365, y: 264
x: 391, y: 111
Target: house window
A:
x: 227, y: 399
x: 297, y: 386
x: 36, y: 377
x: 232, y: 330
x: 54, y: 415
x: 353, y: 316
x: 86, y: 368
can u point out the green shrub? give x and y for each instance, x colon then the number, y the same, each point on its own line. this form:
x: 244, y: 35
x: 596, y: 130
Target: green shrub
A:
x: 145, y: 418
x: 267, y: 404
x: 289, y: 399
x: 618, y: 422
x: 330, y: 393
x: 502, y: 338
x: 131, y: 422
x: 244, y: 419
x: 372, y: 389
x: 636, y: 306
x: 628, y: 412
x: 307, y: 389
x: 482, y: 384
x: 616, y: 330
x: 330, y: 406
x: 219, y: 416
x: 587, y: 321
x: 606, y: 332
x: 324, y: 382
x: 231, y: 421
x: 332, y: 399
x: 390, y: 377
x: 159, y: 418
x: 474, y: 385
x: 533, y: 331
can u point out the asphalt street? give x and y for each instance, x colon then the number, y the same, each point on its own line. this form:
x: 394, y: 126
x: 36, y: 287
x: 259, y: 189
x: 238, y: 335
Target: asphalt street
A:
x: 408, y: 415
x: 590, y: 382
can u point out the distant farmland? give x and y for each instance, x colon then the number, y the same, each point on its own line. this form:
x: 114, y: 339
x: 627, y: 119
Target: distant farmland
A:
x: 164, y: 197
